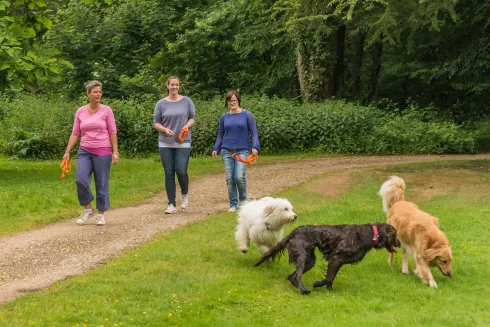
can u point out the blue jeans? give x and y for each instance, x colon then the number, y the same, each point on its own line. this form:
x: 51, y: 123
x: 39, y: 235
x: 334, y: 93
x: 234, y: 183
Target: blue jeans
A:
x: 100, y: 166
x: 175, y: 162
x: 235, y: 173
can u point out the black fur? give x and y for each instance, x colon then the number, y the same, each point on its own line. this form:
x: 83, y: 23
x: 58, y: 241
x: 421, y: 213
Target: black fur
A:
x: 340, y: 244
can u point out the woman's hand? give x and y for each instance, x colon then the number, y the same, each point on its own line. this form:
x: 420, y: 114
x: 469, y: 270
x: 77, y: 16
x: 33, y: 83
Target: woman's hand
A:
x: 115, y: 158
x: 214, y: 153
x: 168, y: 132
x: 255, y: 152
x: 66, y: 156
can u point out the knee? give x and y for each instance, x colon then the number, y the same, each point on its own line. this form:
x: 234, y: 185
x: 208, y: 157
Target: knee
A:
x: 82, y: 183
x: 241, y: 180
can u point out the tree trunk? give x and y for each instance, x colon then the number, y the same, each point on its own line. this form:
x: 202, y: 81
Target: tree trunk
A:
x: 357, y: 65
x: 376, y: 67
x: 338, y: 69
x: 301, y: 74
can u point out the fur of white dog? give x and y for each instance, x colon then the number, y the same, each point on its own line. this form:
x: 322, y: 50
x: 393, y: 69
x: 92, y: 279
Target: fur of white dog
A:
x: 262, y: 222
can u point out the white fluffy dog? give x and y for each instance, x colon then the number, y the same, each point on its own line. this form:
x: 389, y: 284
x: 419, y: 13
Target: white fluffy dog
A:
x: 262, y: 221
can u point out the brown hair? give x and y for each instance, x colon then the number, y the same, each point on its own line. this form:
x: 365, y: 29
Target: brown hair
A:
x: 229, y: 95
x: 170, y: 78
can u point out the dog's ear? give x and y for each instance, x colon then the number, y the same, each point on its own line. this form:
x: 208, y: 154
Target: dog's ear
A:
x: 269, y: 209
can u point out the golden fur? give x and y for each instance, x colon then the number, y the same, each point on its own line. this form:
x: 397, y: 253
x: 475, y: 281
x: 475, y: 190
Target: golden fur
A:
x: 418, y: 232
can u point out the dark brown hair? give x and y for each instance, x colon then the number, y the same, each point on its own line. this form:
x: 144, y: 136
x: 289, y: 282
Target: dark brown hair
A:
x: 229, y: 95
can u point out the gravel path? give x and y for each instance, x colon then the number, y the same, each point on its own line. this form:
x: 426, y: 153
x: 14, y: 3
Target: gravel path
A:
x: 32, y: 260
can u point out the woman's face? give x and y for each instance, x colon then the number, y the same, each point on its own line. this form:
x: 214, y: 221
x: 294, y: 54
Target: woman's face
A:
x: 233, y: 103
x: 95, y: 94
x: 173, y: 87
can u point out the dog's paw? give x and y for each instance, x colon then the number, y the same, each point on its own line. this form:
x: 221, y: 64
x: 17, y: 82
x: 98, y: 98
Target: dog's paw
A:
x: 305, y: 291
x: 319, y: 283
x: 433, y: 284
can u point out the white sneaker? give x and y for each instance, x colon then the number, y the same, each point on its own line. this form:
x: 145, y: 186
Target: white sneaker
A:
x: 100, y: 220
x: 232, y: 209
x: 242, y: 203
x: 84, y: 216
x: 171, y: 209
x: 185, y: 201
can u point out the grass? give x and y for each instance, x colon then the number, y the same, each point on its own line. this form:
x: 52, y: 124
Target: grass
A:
x: 32, y: 193
x: 195, y: 276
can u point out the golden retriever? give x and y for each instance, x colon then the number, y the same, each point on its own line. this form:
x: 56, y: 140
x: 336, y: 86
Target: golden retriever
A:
x: 418, y: 233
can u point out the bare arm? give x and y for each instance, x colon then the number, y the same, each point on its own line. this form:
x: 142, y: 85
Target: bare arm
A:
x: 71, y: 143
x: 190, y: 123
x: 159, y: 127
x: 115, y: 149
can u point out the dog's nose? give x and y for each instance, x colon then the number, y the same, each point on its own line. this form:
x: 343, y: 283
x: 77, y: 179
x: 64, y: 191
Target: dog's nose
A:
x: 449, y: 274
x: 295, y: 217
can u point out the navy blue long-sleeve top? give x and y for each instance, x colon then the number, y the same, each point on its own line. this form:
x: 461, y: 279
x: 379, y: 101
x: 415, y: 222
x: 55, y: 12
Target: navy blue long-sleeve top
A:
x: 235, y: 131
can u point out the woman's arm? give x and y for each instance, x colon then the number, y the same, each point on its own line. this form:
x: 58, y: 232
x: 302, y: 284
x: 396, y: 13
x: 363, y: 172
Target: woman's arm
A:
x: 115, y: 149
x: 71, y: 143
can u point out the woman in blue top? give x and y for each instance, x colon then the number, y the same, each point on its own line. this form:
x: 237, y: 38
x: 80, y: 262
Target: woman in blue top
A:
x: 235, y: 129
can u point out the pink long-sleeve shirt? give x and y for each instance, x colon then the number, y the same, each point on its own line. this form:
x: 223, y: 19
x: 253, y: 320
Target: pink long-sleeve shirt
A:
x: 94, y: 129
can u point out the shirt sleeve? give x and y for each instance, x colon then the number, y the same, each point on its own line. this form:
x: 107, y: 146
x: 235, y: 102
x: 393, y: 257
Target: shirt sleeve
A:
x: 111, y: 122
x: 219, y: 137
x: 252, y: 126
x: 192, y: 110
x: 76, y: 124
x: 157, y: 114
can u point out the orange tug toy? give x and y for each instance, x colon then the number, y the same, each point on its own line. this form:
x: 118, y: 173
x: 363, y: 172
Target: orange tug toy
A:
x: 184, y: 131
x: 65, y: 167
x: 251, y: 159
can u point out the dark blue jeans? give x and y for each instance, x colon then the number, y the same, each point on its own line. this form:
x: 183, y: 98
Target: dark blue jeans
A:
x: 100, y: 166
x: 175, y: 162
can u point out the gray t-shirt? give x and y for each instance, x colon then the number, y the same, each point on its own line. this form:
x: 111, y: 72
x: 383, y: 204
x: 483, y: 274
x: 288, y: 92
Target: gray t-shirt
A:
x: 174, y: 115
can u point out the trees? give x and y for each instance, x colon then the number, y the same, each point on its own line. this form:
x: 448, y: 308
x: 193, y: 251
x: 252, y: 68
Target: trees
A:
x: 24, y: 61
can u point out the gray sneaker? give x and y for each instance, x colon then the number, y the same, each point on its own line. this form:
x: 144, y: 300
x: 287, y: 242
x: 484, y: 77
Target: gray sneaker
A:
x: 185, y: 201
x: 84, y: 216
x: 232, y: 209
x: 100, y: 220
x: 171, y: 209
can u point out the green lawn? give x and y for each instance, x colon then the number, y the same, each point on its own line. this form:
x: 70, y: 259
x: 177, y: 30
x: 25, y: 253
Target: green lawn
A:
x: 195, y: 276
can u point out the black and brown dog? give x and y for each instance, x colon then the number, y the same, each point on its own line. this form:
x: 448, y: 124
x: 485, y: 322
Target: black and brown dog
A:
x: 340, y: 244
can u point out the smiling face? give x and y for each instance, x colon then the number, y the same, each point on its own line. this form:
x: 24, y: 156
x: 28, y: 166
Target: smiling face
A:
x: 173, y: 86
x: 233, y: 103
x: 95, y: 94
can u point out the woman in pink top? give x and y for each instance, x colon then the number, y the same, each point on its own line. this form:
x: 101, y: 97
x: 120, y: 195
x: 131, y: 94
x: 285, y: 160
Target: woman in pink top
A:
x: 96, y: 127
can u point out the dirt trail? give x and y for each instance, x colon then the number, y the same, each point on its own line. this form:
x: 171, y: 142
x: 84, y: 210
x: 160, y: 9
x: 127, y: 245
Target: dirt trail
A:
x: 32, y: 260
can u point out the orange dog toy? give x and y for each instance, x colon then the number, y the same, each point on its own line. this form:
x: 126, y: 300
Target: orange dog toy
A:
x: 251, y: 159
x: 65, y: 167
x: 184, y: 131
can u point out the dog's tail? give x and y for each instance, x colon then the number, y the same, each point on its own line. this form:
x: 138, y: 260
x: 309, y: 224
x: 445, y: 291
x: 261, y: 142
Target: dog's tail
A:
x: 392, y: 191
x: 275, y: 251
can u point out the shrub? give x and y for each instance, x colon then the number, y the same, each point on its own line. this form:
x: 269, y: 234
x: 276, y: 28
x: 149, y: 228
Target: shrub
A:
x: 39, y: 127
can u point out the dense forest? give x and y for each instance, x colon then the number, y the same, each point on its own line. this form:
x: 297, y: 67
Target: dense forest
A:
x: 431, y: 55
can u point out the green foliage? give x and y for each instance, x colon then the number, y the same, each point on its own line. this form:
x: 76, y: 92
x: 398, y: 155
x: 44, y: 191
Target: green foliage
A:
x: 25, y: 63
x: 37, y: 127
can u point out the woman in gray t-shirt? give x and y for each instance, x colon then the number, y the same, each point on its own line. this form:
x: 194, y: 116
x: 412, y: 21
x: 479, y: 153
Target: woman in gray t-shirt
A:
x: 173, y: 117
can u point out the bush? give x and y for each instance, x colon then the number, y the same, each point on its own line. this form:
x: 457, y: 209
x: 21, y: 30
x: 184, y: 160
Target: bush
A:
x: 39, y: 127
